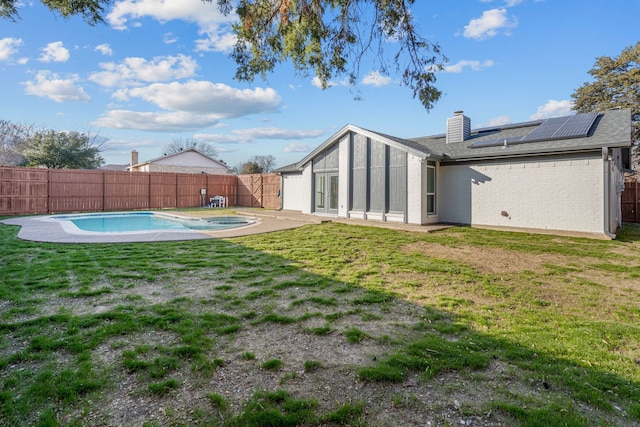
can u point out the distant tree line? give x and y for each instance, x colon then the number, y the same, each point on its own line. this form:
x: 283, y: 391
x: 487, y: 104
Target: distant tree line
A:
x: 25, y: 145
x: 257, y: 164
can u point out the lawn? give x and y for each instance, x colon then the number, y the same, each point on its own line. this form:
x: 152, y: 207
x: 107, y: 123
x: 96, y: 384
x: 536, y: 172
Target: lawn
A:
x: 328, y: 324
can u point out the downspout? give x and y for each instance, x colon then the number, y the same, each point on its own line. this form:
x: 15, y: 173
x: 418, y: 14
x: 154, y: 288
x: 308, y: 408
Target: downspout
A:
x: 281, y: 192
x: 607, y: 191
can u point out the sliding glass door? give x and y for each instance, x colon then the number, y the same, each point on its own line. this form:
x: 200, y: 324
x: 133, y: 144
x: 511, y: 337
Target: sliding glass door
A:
x: 326, y: 192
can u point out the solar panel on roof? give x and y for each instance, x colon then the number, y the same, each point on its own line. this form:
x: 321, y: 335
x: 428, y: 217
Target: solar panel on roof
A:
x: 563, y: 127
x: 546, y: 129
x: 577, y: 126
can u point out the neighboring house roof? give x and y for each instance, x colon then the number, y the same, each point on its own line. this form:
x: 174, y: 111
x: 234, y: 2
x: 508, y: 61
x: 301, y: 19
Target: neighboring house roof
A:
x: 609, y: 129
x: 112, y: 167
x: 287, y: 169
x: 178, y: 154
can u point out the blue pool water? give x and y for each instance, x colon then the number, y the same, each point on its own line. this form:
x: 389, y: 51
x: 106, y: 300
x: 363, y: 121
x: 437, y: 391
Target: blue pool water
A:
x: 122, y: 222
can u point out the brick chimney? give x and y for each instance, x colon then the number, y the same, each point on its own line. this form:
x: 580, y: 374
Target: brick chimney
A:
x: 458, y: 127
x: 134, y: 157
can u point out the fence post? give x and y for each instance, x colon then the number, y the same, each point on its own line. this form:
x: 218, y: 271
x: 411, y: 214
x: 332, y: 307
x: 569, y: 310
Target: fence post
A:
x: 104, y: 192
x: 48, y: 190
x: 261, y: 191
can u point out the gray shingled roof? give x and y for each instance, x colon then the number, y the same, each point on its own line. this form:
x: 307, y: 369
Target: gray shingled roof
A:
x: 611, y: 129
x: 287, y: 169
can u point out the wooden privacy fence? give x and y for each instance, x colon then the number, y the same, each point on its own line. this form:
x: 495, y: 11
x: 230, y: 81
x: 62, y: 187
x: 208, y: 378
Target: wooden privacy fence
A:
x: 39, y: 191
x: 630, y: 200
x: 259, y: 190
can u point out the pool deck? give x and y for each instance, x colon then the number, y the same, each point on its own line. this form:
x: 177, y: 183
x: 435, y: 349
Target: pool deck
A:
x: 37, y: 229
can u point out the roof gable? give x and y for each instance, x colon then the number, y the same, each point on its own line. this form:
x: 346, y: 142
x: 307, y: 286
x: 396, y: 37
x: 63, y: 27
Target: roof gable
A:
x: 406, y: 145
x: 189, y: 157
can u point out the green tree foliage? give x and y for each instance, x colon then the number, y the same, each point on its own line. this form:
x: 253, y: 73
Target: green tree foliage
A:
x: 328, y: 38
x: 616, y: 84
x: 62, y: 150
x: 331, y: 37
x: 258, y: 164
x: 249, y: 167
x: 91, y: 10
x: 180, y: 144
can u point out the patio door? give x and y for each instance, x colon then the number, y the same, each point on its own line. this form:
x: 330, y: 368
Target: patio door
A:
x: 326, y: 193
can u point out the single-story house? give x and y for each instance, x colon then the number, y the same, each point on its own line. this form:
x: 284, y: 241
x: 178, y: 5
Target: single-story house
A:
x: 562, y: 174
x: 185, y: 161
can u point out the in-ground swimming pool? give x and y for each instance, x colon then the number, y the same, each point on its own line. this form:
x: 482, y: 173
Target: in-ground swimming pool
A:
x: 139, y: 222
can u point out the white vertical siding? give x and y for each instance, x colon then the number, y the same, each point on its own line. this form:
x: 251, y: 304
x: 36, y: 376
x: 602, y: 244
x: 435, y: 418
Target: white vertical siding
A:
x: 344, y: 176
x: 296, y: 190
x: 416, y: 199
x: 539, y: 194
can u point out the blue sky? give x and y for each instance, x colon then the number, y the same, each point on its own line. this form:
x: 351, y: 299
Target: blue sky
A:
x: 159, y: 70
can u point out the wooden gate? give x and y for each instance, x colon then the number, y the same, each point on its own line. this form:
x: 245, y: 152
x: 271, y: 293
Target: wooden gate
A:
x: 630, y: 212
x: 259, y: 191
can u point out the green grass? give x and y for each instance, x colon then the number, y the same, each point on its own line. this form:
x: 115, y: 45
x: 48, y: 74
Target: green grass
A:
x: 566, y: 313
x: 272, y: 364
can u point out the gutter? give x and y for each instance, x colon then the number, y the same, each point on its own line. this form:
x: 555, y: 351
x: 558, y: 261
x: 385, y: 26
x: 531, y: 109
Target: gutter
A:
x: 607, y: 191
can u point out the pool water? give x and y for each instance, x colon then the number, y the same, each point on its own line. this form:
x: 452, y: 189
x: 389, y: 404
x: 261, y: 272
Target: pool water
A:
x: 123, y: 222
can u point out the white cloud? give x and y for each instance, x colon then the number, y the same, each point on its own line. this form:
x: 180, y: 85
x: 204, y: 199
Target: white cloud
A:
x: 191, y: 105
x: 243, y: 136
x: 218, y: 39
x: 51, y: 85
x: 374, y: 78
x: 203, y: 97
x: 297, y: 147
x: 489, y: 24
x: 169, y: 38
x: 214, y: 25
x: 318, y: 83
x: 104, y: 49
x: 133, y: 70
x: 196, y: 11
x: 175, y: 121
x: 55, y: 52
x: 331, y: 83
x: 553, y: 108
x: 8, y: 46
x: 497, y: 121
x: 474, y: 65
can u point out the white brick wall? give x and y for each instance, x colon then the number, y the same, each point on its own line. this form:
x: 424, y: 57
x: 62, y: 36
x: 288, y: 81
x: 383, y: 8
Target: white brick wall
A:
x: 540, y: 194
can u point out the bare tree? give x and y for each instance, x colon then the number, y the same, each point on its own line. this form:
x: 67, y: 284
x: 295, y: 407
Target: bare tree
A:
x: 266, y: 163
x: 257, y: 164
x: 181, y: 144
x: 13, y: 138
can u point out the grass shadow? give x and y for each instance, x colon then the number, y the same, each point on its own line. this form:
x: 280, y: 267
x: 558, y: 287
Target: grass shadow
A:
x: 63, y: 306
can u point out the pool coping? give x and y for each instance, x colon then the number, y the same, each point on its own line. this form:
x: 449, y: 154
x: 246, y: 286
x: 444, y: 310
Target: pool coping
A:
x: 41, y: 228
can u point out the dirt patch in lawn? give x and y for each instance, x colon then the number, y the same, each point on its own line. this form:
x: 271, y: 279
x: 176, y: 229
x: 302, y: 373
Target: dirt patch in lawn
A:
x: 486, y: 260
